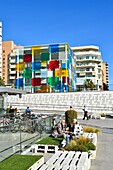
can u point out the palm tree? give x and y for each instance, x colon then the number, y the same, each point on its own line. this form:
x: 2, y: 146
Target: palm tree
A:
x: 2, y: 83
x: 88, y: 83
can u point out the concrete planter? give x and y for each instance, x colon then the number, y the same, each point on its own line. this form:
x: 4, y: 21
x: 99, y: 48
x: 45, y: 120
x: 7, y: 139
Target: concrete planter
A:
x: 103, y: 118
x: 37, y: 164
x: 93, y: 154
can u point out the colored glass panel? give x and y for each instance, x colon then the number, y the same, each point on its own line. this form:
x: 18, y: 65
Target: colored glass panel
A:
x: 62, y: 56
x: 21, y: 56
x: 54, y: 48
x: 64, y: 72
x: 19, y: 82
x: 28, y: 58
x: 53, y: 64
x: 36, y: 50
x: 27, y: 81
x: 43, y: 73
x: 36, y: 65
x: 27, y: 73
x: 36, y: 81
x: 57, y: 73
x: 64, y: 65
x: 65, y: 80
x: 50, y: 73
x: 52, y: 81
x: 43, y: 87
x: 54, y: 56
x: 44, y: 63
x: 67, y: 48
x: 44, y: 56
x: 20, y: 66
x: 37, y: 57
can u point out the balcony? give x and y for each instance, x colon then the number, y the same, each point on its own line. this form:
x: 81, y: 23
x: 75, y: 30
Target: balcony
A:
x: 12, y: 66
x: 12, y: 77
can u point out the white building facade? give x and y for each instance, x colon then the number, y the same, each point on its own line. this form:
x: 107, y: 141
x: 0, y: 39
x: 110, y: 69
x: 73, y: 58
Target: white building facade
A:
x: 88, y: 66
x: 0, y: 49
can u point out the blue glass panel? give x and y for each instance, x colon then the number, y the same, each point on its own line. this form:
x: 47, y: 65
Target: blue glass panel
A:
x: 64, y: 65
x: 19, y: 82
x: 44, y: 73
x: 36, y: 65
x: 54, y: 48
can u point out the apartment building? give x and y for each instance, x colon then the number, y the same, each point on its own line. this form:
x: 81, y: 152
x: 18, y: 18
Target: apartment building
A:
x: 105, y: 76
x: 88, y: 66
x: 0, y: 49
x: 7, y: 47
x: 43, y: 68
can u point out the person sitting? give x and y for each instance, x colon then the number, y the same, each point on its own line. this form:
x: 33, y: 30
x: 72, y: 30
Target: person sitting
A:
x: 28, y: 112
x: 11, y: 112
x: 77, y: 129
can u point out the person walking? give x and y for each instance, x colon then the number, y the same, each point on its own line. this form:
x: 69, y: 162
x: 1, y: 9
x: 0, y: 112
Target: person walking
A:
x: 85, y: 109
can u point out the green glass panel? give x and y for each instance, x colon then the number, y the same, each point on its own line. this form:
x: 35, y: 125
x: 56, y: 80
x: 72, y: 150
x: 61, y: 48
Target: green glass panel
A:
x: 53, y: 81
x: 21, y: 56
x: 44, y: 56
x: 27, y: 73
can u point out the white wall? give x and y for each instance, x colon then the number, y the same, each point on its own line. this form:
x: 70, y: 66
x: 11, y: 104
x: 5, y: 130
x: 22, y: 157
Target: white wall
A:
x: 102, y: 101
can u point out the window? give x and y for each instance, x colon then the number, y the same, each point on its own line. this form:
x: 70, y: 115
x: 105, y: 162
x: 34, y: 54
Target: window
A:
x: 87, y: 69
x: 93, y: 69
x: 87, y: 57
x: 93, y: 57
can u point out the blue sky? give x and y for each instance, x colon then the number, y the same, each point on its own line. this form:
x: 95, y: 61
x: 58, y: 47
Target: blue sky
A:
x: 78, y: 22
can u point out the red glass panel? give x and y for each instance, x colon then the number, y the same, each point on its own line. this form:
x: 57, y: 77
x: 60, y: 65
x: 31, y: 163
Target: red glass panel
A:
x: 28, y: 58
x: 36, y: 81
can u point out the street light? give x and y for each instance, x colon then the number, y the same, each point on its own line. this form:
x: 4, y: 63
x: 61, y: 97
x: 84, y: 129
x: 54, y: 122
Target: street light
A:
x: 20, y: 137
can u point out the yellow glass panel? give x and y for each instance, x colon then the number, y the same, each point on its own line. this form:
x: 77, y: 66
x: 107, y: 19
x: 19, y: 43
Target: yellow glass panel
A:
x: 64, y: 73
x: 17, y: 67
x: 67, y: 48
x: 48, y: 89
x: 57, y: 73
x: 43, y: 63
x: 20, y: 66
x: 36, y: 50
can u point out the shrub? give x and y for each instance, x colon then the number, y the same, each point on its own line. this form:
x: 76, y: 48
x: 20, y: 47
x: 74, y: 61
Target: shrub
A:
x: 90, y: 129
x: 90, y: 146
x: 82, y: 140
x: 81, y: 148
x: 71, y: 145
x: 102, y: 115
x: 82, y: 144
x: 70, y: 115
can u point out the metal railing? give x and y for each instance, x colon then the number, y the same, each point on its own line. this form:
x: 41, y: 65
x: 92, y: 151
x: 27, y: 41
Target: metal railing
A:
x: 24, y: 139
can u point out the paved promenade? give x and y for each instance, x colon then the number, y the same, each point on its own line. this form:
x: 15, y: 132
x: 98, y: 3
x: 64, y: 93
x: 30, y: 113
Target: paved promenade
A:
x: 104, y: 158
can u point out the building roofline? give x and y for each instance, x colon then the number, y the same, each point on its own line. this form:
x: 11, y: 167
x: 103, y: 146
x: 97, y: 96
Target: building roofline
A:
x: 85, y: 47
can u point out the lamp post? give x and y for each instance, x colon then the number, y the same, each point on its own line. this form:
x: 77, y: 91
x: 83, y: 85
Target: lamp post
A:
x: 20, y: 137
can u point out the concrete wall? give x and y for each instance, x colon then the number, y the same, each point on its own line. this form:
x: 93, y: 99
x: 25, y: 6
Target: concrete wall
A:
x: 96, y: 101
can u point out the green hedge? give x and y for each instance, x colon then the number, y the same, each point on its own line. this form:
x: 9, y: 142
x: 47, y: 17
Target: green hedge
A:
x: 70, y: 115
